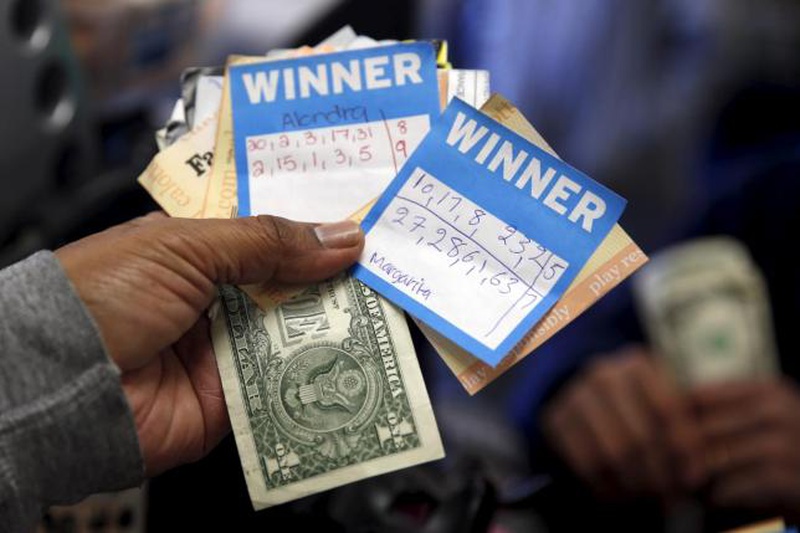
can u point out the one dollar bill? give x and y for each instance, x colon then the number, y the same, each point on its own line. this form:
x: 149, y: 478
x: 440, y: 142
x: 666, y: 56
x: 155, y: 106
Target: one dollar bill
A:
x: 322, y: 390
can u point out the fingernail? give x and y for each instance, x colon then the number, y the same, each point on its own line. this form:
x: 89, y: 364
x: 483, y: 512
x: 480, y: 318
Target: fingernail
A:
x: 342, y: 234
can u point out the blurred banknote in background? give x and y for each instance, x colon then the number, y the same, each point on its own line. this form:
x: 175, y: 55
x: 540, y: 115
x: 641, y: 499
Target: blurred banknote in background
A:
x: 706, y: 310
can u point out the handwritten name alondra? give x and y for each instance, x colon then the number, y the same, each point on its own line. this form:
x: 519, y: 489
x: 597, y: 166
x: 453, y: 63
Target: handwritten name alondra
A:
x: 540, y: 178
x: 332, y: 77
x: 398, y: 277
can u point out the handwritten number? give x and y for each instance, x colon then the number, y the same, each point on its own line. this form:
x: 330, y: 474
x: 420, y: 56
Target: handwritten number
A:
x: 457, y: 243
x: 442, y: 234
x: 258, y: 168
x: 551, y: 272
x: 403, y: 212
x: 256, y: 144
x: 532, y: 298
x: 364, y: 154
x: 504, y: 238
x: 476, y: 219
x: 419, y: 222
x: 470, y: 256
x: 495, y: 280
x: 542, y: 251
x: 511, y: 283
x: 401, y: 147
x: 522, y: 242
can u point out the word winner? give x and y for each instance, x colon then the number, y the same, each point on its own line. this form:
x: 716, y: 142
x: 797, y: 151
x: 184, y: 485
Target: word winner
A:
x: 323, y: 79
x: 517, y: 166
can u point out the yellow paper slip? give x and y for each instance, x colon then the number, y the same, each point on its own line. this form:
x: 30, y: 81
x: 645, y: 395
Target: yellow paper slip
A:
x: 220, y: 200
x: 775, y: 525
x: 177, y: 177
x: 615, y: 259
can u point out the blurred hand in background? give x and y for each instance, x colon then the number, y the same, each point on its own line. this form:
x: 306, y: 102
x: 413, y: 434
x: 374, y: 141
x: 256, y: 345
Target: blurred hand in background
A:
x: 751, y: 432
x: 624, y: 428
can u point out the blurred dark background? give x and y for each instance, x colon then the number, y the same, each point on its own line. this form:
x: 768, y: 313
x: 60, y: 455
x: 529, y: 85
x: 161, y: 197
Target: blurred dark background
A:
x: 670, y: 102
x: 87, y: 82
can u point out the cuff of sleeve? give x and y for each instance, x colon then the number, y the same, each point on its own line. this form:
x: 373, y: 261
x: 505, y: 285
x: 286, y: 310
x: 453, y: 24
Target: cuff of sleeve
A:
x: 64, y: 419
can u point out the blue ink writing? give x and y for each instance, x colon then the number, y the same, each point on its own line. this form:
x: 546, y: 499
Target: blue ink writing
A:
x: 398, y: 277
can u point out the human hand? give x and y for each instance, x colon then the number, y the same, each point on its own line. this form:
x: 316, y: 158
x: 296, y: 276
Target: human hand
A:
x: 147, y: 284
x: 624, y: 428
x: 752, y: 433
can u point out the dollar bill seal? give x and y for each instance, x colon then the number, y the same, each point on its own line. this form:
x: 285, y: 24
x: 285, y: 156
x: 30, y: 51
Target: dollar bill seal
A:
x: 322, y: 390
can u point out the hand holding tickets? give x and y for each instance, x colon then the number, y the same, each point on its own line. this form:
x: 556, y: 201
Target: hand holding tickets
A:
x: 482, y: 231
x: 477, y: 233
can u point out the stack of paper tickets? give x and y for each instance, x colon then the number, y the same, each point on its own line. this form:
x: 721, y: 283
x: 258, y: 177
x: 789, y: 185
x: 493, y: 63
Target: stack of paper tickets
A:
x: 322, y: 382
x: 195, y: 176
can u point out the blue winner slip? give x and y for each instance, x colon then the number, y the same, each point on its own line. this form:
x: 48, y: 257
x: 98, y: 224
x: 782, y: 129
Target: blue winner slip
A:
x: 481, y: 232
x: 318, y: 137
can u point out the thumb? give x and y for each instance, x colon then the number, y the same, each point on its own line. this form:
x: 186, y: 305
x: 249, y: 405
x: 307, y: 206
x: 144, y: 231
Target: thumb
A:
x: 266, y: 248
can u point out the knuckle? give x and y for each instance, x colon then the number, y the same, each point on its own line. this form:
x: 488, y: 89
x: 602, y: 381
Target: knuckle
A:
x: 665, y: 412
x: 775, y: 475
x: 616, y: 458
x: 639, y: 444
x: 772, y: 409
x: 625, y: 455
x: 593, y: 468
x: 605, y: 373
x: 559, y: 410
x: 276, y: 231
x: 669, y: 409
x: 552, y: 418
x: 173, y: 237
x: 635, y: 359
x: 776, y: 449
x: 681, y: 450
x: 569, y: 402
x: 601, y: 371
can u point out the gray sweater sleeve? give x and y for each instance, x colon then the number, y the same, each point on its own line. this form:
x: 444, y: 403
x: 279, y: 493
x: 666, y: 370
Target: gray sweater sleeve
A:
x: 66, y: 429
